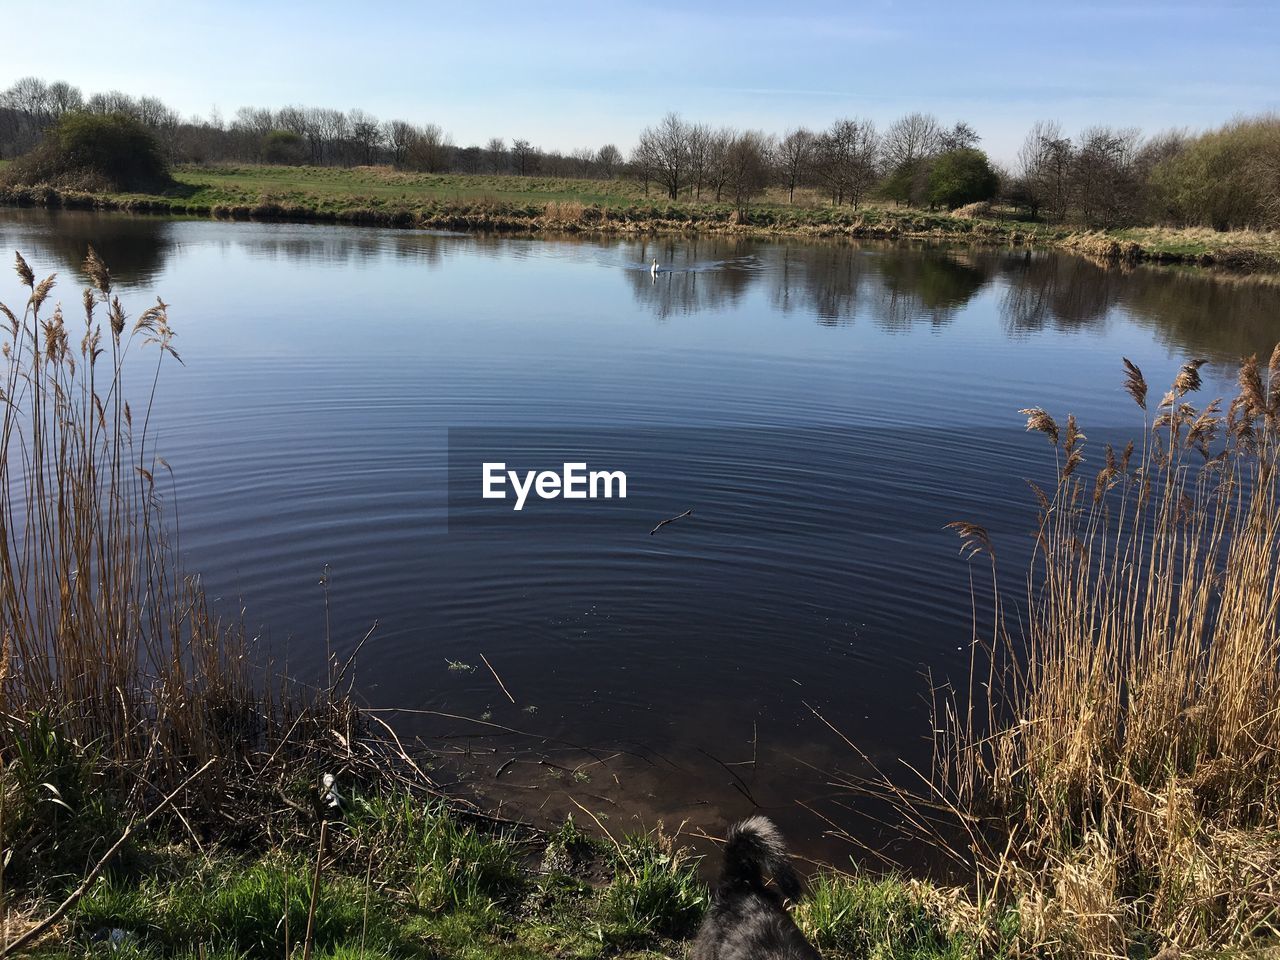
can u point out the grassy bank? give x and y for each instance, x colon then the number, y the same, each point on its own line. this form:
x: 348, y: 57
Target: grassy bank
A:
x: 380, y: 196
x: 404, y: 878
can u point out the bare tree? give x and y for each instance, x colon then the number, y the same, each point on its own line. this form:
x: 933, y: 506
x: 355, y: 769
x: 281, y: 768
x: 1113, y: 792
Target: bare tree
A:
x: 580, y: 163
x: 911, y: 138
x: 908, y: 145
x: 865, y: 162
x: 326, y: 129
x: 525, y: 157
x: 398, y: 135
x: 717, y: 162
x: 254, y: 120
x: 665, y: 148
x: 26, y: 110
x: 62, y: 98
x: 608, y: 160
x: 644, y: 161
x: 846, y: 156
x: 293, y: 119
x: 496, y: 153
x: 471, y: 159
x: 336, y: 132
x: 113, y: 101
x: 161, y: 118
x: 794, y: 156
x: 1044, y: 168
x: 700, y: 137
x: 1105, y: 186
x: 430, y: 149
x: 154, y: 113
x: 960, y: 137
x: 366, y: 135
x: 746, y: 162
x: 30, y: 96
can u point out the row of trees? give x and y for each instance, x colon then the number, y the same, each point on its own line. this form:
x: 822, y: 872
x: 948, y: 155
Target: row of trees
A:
x: 915, y: 160
x: 291, y: 135
x: 1227, y: 178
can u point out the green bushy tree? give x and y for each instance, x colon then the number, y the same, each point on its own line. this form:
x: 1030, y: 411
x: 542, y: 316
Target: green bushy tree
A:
x: 85, y: 151
x: 962, y: 176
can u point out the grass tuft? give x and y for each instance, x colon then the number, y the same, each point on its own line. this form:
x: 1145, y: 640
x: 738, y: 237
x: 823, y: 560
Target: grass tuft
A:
x: 861, y: 917
x: 655, y: 890
x: 445, y: 864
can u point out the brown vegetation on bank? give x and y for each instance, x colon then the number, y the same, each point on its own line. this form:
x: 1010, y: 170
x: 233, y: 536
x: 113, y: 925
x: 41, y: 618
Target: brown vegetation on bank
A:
x: 1117, y: 770
x: 1243, y: 251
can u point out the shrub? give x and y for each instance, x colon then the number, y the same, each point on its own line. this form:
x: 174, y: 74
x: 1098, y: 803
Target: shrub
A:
x: 82, y: 151
x: 284, y: 147
x: 54, y: 814
x: 960, y: 177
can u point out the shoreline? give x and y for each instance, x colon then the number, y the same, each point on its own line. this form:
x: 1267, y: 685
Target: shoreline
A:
x: 1236, y: 253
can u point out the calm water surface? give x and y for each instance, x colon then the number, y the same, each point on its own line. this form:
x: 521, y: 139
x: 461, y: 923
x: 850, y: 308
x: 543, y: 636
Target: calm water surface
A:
x: 823, y: 409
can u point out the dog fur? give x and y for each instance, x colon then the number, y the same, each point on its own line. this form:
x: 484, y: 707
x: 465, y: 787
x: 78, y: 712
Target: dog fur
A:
x: 747, y: 920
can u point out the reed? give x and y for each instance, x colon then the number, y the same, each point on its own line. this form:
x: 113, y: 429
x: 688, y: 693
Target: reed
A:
x: 100, y: 629
x: 1118, y: 766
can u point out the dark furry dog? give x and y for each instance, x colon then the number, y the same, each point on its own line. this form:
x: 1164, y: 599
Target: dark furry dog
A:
x: 747, y: 920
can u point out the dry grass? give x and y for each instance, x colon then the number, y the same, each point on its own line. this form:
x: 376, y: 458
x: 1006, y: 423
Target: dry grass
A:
x: 1127, y: 790
x: 982, y: 209
x: 1244, y: 250
x: 564, y: 212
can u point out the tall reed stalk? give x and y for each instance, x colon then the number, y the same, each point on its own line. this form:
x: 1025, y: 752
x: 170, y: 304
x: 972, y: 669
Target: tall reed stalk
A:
x: 1125, y: 791
x: 101, y: 632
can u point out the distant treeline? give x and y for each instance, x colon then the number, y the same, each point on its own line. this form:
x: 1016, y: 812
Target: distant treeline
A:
x: 1228, y: 178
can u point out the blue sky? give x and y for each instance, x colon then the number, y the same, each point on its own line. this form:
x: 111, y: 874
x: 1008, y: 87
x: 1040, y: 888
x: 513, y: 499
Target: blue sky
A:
x: 574, y: 74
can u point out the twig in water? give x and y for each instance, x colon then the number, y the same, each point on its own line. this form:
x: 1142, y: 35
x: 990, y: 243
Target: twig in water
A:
x: 498, y: 678
x: 739, y: 784
x: 351, y: 659
x: 687, y: 513
x: 506, y: 763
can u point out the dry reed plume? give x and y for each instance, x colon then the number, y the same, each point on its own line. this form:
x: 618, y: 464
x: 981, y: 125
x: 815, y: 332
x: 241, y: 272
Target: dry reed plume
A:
x: 1122, y: 790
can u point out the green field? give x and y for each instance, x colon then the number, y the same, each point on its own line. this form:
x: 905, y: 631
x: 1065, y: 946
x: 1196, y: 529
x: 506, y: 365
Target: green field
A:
x: 382, y: 196
x: 333, y: 188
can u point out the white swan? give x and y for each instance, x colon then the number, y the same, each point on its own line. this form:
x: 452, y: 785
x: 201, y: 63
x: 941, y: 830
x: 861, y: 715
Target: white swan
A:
x: 654, y: 268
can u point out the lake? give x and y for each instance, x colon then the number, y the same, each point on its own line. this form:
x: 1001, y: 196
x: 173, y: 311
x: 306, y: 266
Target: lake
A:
x: 822, y: 409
